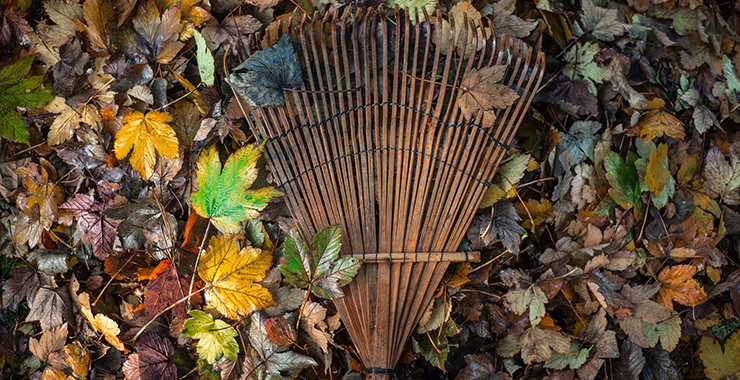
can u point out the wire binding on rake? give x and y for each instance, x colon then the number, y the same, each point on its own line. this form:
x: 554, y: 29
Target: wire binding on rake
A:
x: 371, y: 105
x: 288, y: 182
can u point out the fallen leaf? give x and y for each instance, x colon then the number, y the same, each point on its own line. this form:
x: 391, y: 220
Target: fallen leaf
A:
x: 216, y: 338
x: 50, y: 341
x: 169, y: 287
x: 483, y: 91
x: 581, y: 64
x: 507, y: 23
x: 532, y: 298
x: 723, y: 178
x: 264, y: 360
x: 62, y: 129
x: 602, y: 23
x: 152, y: 360
x: 204, y: 56
x: 231, y: 274
x: 147, y: 134
x: 97, y: 229
x: 719, y: 363
x: 677, y: 284
x: 262, y: 78
x: 18, y: 91
x: 658, y: 123
x: 222, y: 193
x: 319, y: 266
x: 101, y: 323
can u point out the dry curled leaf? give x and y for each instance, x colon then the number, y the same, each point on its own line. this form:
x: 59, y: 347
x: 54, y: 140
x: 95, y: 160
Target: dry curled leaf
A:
x: 483, y: 91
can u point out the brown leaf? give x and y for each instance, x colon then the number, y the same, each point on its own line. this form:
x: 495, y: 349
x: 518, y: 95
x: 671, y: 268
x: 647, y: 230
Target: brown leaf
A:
x: 97, y: 229
x: 537, y: 344
x: 677, y: 284
x: 506, y: 23
x: 167, y: 289
x: 47, y: 308
x: 280, y: 331
x: 484, y: 92
x: 23, y: 283
x: 233, y: 31
x: 50, y: 341
x: 152, y: 362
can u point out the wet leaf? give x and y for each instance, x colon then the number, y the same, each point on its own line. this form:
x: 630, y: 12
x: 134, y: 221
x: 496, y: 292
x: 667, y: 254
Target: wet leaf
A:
x: 262, y: 78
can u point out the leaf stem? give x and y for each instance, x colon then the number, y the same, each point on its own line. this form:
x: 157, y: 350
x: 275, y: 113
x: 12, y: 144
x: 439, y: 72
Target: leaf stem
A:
x: 303, y: 305
x: 197, y: 259
x: 168, y: 308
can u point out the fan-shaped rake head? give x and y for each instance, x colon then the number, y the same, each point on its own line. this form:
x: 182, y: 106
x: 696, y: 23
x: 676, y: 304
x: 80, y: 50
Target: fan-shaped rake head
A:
x: 394, y: 134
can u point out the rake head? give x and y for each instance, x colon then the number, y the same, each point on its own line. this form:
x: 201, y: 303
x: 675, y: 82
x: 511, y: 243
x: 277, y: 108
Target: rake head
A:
x: 394, y: 135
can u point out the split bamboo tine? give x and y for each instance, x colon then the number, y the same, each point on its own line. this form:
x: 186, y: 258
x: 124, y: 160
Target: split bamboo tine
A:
x: 389, y: 156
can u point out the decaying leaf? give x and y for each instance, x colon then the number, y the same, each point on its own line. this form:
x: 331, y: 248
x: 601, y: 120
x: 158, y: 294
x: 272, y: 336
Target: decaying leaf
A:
x: 262, y: 78
x: 483, y: 91
x: 266, y: 358
x: 101, y: 323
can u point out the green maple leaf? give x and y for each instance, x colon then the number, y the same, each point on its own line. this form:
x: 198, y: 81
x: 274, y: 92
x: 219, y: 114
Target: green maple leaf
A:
x: 319, y: 266
x: 581, y: 64
x: 575, y: 358
x: 222, y: 195
x: 18, y: 91
x: 623, y: 178
x: 216, y: 338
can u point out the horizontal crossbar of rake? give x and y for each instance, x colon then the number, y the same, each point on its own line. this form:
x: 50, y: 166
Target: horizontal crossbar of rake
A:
x: 481, y: 181
x: 418, y: 257
x: 406, y: 106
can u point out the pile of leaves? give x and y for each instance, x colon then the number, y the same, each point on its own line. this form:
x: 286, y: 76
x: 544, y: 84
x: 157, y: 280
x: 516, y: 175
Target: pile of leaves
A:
x: 141, y: 234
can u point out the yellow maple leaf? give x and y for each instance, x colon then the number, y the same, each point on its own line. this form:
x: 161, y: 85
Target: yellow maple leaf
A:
x: 145, y: 134
x: 231, y: 274
x: 677, y: 284
x: 101, y: 323
x: 720, y: 363
x: 657, y: 123
x: 538, y: 211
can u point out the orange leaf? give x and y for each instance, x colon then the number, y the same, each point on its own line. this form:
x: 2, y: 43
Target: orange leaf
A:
x: 101, y: 323
x: 677, y: 284
x: 145, y: 134
x: 657, y: 123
